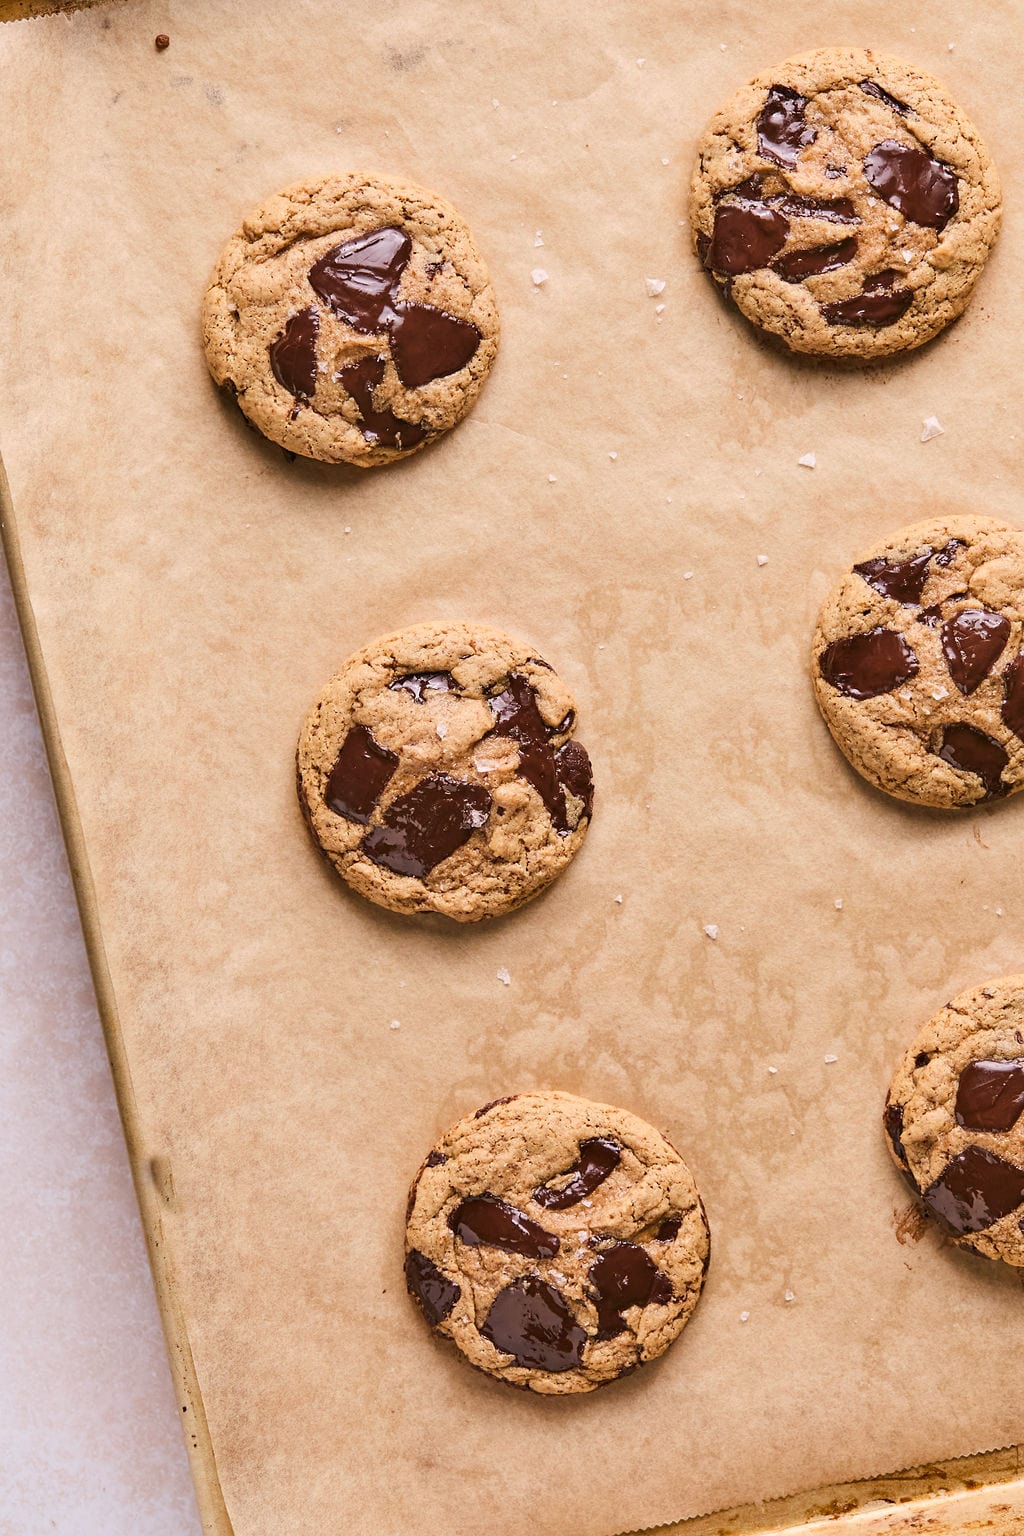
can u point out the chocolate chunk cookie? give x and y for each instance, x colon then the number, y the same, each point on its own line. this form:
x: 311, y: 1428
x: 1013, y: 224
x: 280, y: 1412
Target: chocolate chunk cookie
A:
x: 845, y: 203
x: 954, y: 1122
x: 560, y: 1243
x: 352, y: 318
x: 439, y: 772
x: 918, y: 663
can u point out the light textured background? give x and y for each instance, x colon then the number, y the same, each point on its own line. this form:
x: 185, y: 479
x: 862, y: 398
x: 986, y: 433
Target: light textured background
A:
x: 89, y: 1439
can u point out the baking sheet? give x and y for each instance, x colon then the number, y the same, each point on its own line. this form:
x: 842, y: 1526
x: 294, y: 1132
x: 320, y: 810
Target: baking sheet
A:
x: 193, y: 589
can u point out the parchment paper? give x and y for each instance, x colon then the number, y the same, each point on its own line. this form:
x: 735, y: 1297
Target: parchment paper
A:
x: 193, y: 590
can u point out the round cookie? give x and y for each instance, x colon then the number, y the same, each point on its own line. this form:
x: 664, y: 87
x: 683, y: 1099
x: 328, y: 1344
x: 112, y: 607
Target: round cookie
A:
x: 918, y: 664
x: 953, y: 1119
x: 439, y: 772
x: 558, y: 1242
x: 845, y: 203
x: 352, y: 318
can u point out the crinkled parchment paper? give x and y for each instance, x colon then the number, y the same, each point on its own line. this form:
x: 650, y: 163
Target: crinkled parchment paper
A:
x: 608, y: 500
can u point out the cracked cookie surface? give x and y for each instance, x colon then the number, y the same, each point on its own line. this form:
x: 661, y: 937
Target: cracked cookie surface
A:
x: 352, y: 318
x: 845, y: 203
x: 439, y: 772
x: 954, y: 1119
x: 918, y: 662
x: 558, y: 1242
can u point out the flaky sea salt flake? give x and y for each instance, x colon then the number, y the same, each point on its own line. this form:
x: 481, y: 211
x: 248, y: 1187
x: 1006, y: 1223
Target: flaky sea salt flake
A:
x: 654, y: 286
x: 830, y: 1059
x: 538, y: 276
x: 538, y: 239
x: 931, y: 427
x: 504, y: 977
x: 395, y: 1024
x: 711, y: 929
x: 809, y: 461
x: 762, y: 559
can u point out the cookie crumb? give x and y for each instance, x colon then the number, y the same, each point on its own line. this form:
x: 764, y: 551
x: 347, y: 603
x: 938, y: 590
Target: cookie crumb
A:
x: 395, y: 1024
x: 161, y: 41
x: 809, y: 461
x: 654, y: 286
x: 538, y: 276
x: 931, y: 427
x: 830, y: 1059
x: 711, y: 929
x: 504, y: 977
x: 762, y: 559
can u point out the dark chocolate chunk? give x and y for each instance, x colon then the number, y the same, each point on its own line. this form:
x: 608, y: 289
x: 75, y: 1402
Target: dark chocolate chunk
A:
x: 972, y: 642
x: 747, y: 235
x: 990, y: 1095
x: 516, y: 714
x: 621, y: 1276
x: 971, y: 751
x: 909, y: 180
x: 599, y: 1157
x: 669, y: 1229
x: 419, y: 684
x: 422, y: 828
x: 1013, y: 696
x: 894, y: 1130
x: 537, y: 766
x: 435, y: 1293
x: 902, y: 580
x: 360, y: 776
x: 435, y: 1159
x: 484, y: 1108
x: 531, y: 1321
x: 796, y: 265
x: 835, y: 210
x: 356, y: 279
x: 865, y: 666
x: 947, y: 554
x: 781, y: 129
x: 429, y: 344
x: 882, y: 302
x: 293, y: 354
x: 515, y: 711
x: 872, y: 88
x: 572, y: 765
x: 974, y: 1190
x: 485, y: 1221
x: 384, y: 427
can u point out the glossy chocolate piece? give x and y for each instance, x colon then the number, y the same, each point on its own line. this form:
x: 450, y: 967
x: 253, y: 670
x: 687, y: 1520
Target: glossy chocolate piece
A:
x: 487, y: 1222
x: 902, y: 580
x: 865, y: 666
x: 421, y: 684
x: 293, y: 354
x: 669, y: 1229
x: 599, y: 1157
x: 880, y: 303
x: 572, y: 765
x: 781, y: 129
x: 971, y: 751
x: 622, y: 1276
x: 990, y: 1095
x: 359, y: 777
x: 922, y: 189
x: 872, y: 88
x: 531, y: 1321
x: 435, y: 1159
x: 1013, y: 696
x: 797, y: 265
x: 893, y: 1121
x: 356, y: 279
x: 747, y: 235
x: 974, y: 1190
x: 429, y: 343
x: 485, y: 1108
x: 421, y: 829
x: 516, y: 714
x: 378, y: 426
x: 435, y: 1293
x: 972, y: 642
x: 834, y: 210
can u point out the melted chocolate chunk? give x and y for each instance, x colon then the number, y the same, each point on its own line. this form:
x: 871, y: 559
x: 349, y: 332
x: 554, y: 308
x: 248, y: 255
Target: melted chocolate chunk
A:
x: 435, y: 1293
x: 971, y: 751
x: 625, y: 1275
x: 599, y: 1157
x: 902, y: 580
x: 484, y: 1108
x: 747, y: 235
x: 356, y: 279
x: 360, y: 776
x: 424, y: 827
x: 880, y: 303
x: 515, y: 711
x: 384, y: 427
x: 781, y: 130
x: 419, y: 684
x: 893, y: 1120
x: 435, y: 1159
x: 1013, y: 696
x: 487, y: 1222
x: 909, y: 180
x: 872, y: 88
x: 947, y: 554
x: 835, y: 210
x: 531, y: 1321
x: 990, y: 1095
x: 669, y: 1229
x: 572, y: 764
x: 973, y: 1191
x: 516, y: 715
x: 293, y: 354
x: 538, y: 767
x: 972, y: 642
x: 429, y: 343
x: 865, y: 666
x: 797, y: 265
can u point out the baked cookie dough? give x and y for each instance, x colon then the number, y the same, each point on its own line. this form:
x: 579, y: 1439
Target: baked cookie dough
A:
x: 559, y: 1243
x: 439, y: 772
x: 352, y: 318
x: 845, y: 203
x: 918, y: 663
x: 954, y: 1122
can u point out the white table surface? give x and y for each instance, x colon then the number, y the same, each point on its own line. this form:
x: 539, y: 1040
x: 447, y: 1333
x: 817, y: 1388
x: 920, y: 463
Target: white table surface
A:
x: 90, y: 1443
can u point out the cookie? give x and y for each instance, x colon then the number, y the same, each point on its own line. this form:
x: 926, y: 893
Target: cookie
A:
x: 918, y: 664
x: 953, y: 1119
x: 439, y: 772
x: 352, y: 318
x: 845, y: 204
x: 559, y: 1243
